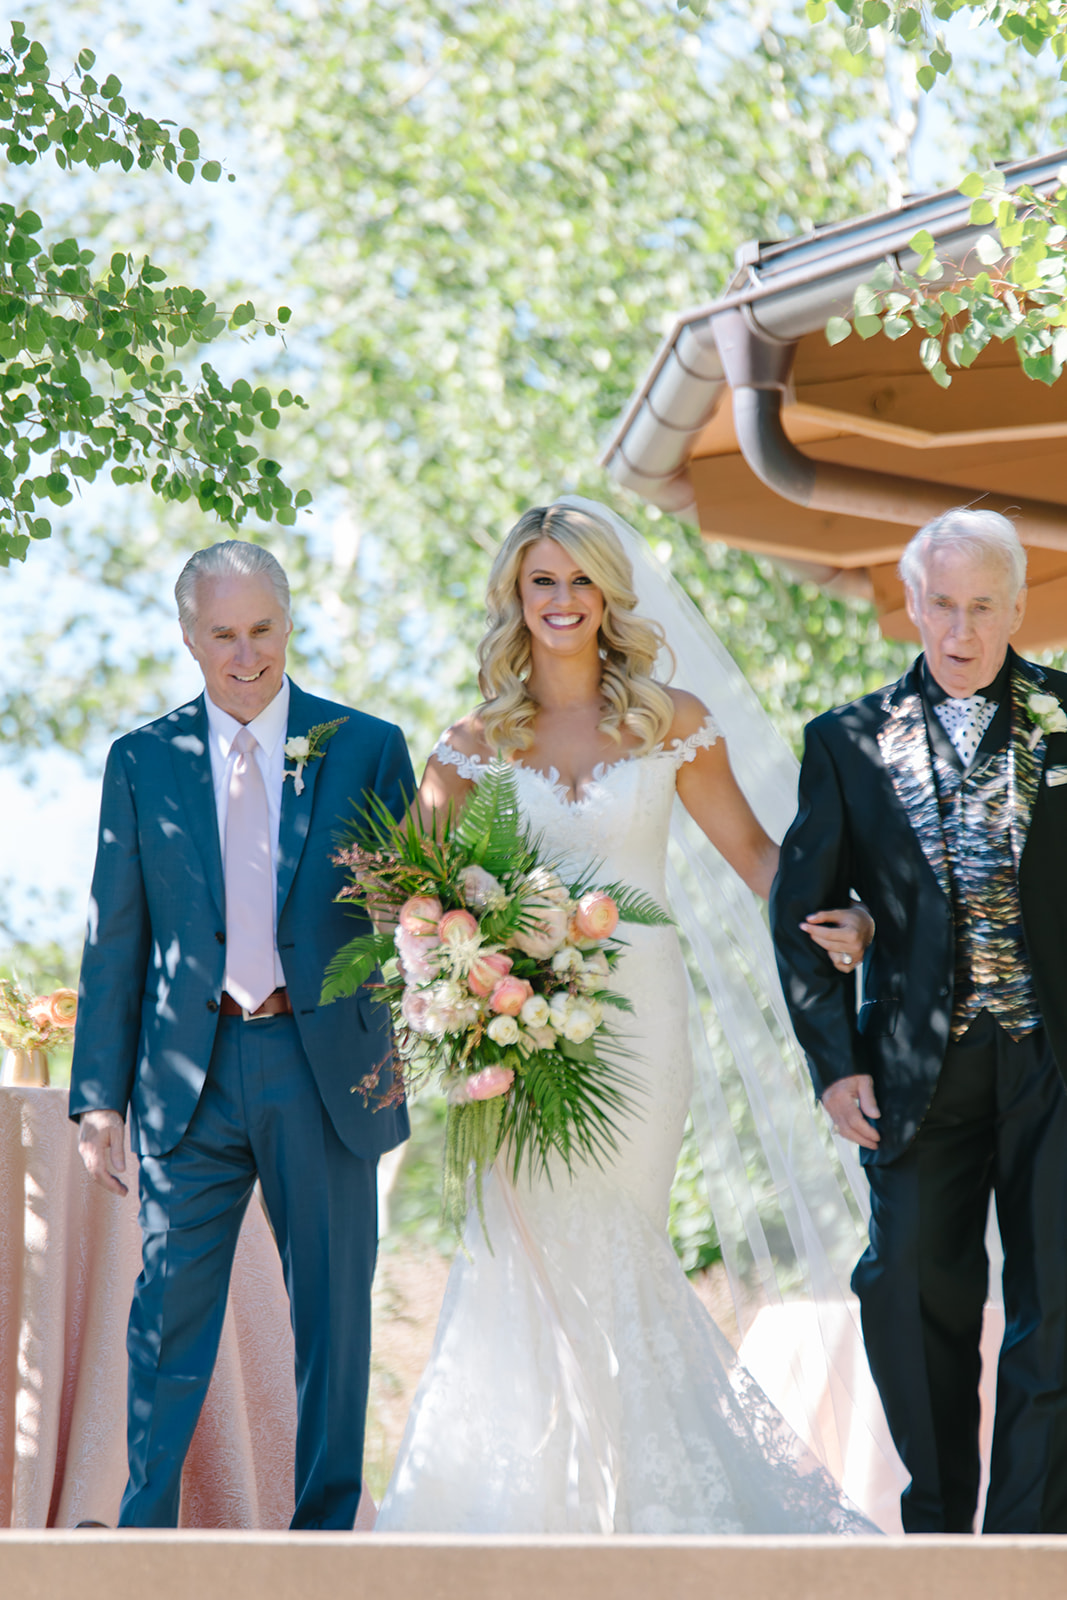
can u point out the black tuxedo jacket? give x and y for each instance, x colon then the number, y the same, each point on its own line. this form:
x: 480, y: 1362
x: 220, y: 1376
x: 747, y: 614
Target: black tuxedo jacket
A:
x: 868, y: 820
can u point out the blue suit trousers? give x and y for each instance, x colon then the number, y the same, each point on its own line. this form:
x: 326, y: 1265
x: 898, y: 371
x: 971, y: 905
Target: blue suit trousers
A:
x: 260, y: 1114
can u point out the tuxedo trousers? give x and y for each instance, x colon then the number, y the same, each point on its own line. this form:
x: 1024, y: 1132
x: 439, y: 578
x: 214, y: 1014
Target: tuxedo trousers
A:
x: 997, y: 1123
x: 260, y: 1115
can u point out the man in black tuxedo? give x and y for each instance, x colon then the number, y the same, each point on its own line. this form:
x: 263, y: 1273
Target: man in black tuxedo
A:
x: 942, y: 802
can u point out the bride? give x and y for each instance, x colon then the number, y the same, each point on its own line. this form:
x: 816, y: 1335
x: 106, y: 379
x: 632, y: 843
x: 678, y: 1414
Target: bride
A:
x: 576, y: 1382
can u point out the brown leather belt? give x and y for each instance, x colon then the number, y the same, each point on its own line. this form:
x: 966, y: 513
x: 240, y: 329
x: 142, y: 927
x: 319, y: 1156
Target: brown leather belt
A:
x: 277, y: 1004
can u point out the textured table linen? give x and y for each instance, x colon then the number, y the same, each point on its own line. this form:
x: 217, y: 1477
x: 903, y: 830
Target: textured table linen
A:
x: 69, y: 1256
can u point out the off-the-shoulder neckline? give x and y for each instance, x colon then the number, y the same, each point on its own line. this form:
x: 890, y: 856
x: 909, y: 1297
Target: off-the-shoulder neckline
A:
x: 678, y: 750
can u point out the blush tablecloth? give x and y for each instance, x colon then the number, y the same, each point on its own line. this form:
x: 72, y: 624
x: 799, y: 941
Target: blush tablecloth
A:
x: 69, y: 1256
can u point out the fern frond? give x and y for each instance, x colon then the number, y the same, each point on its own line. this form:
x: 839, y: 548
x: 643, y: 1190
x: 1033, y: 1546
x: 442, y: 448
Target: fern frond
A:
x: 353, y: 964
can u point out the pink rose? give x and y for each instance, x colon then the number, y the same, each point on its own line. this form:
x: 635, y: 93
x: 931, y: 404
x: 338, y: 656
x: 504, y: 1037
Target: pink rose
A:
x: 39, y: 1011
x: 420, y: 915
x: 456, y: 927
x: 489, y: 1082
x: 486, y: 971
x: 416, y: 955
x: 509, y: 996
x: 597, y: 916
x: 545, y: 930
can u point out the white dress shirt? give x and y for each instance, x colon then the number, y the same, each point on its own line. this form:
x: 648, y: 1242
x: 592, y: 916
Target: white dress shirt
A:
x: 268, y: 729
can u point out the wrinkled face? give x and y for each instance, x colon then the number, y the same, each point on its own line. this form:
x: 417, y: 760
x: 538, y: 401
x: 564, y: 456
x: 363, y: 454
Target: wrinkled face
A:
x: 965, y: 612
x: 238, y: 640
x: 561, y: 606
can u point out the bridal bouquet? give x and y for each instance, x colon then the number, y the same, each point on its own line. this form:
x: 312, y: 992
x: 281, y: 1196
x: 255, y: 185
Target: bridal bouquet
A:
x: 34, y: 1022
x: 497, y: 974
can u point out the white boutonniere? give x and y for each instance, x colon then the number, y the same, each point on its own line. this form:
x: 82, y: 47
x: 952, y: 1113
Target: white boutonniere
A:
x: 304, y: 747
x: 1048, y: 717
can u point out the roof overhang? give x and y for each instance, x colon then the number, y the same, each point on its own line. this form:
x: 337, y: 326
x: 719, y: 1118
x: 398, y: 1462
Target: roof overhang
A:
x: 829, y: 457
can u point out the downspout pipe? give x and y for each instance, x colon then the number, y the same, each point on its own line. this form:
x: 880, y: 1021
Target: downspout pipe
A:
x: 758, y: 368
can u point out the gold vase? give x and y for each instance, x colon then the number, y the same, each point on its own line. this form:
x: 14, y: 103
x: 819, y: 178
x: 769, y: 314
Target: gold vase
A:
x: 25, y: 1069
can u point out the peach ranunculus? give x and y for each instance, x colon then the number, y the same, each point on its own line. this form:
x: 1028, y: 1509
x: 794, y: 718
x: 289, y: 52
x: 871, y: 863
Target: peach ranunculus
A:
x: 510, y: 995
x: 63, y: 1007
x: 487, y: 970
x: 545, y: 930
x: 420, y: 915
x: 457, y: 927
x: 416, y: 955
x: 489, y: 1082
x: 596, y: 916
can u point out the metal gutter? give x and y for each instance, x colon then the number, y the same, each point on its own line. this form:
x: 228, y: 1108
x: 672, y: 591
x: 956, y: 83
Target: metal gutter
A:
x: 794, y: 287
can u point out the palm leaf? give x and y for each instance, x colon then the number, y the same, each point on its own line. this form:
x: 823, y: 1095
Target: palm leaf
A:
x: 490, y: 830
x: 637, y: 907
x: 353, y: 964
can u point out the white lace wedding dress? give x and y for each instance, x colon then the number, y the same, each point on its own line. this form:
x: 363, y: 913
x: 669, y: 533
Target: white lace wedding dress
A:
x: 576, y: 1383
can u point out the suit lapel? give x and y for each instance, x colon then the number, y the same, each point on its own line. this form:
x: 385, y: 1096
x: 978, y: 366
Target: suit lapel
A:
x: 296, y: 808
x: 905, y: 751
x: 192, y: 770
x: 1027, y: 748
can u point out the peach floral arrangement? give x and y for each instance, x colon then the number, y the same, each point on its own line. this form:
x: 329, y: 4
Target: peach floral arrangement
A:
x: 496, y: 972
x: 34, y: 1022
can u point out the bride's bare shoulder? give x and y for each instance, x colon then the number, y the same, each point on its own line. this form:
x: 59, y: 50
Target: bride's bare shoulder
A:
x: 467, y: 737
x: 690, y: 715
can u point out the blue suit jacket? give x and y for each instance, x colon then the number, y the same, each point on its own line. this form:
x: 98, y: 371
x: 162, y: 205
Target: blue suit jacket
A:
x: 155, y: 951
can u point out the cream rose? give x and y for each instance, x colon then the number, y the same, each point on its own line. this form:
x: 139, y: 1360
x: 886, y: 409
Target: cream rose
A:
x: 503, y: 1030
x: 534, y: 1012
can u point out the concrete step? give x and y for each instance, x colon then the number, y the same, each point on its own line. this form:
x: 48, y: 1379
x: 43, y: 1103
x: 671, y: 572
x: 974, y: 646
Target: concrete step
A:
x: 67, y: 1565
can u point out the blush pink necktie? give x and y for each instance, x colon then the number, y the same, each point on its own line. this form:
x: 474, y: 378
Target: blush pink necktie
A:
x: 249, y: 881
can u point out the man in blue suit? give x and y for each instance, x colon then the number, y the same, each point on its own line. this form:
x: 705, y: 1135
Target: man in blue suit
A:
x: 211, y: 921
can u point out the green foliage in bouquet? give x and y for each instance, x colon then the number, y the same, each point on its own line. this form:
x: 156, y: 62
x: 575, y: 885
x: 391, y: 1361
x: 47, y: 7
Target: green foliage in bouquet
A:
x: 547, y: 1083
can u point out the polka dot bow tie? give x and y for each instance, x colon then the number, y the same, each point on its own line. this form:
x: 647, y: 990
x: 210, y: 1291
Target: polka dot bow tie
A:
x: 965, y: 722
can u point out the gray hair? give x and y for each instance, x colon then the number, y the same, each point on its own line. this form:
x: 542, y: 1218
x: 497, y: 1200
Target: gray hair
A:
x: 231, y: 558
x: 982, y: 533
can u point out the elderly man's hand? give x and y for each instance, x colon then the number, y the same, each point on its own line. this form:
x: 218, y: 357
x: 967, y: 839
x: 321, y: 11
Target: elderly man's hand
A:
x: 102, y: 1147
x: 850, y: 1101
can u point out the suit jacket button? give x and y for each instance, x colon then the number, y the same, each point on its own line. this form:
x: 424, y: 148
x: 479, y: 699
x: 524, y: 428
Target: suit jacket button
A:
x: 213, y: 1005
x: 220, y: 936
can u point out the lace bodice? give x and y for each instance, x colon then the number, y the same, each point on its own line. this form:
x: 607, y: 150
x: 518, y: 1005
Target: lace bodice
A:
x: 620, y: 820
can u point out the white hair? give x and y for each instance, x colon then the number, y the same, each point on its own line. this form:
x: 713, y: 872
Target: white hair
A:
x: 231, y: 558
x: 981, y: 533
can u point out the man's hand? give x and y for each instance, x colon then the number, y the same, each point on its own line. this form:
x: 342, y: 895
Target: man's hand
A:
x: 102, y: 1147
x: 850, y: 1101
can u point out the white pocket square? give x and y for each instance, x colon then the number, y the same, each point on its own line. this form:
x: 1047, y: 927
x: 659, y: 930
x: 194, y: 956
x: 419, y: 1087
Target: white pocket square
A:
x: 1054, y: 776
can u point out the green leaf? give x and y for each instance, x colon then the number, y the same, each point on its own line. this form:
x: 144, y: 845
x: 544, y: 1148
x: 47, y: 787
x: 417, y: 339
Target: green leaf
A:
x: 353, y: 964
x: 896, y: 327
x: 988, y: 249
x: 856, y: 40
x: 838, y: 328
x: 867, y: 326
x: 883, y: 277
x: 922, y: 242
x: 926, y: 77
x: 973, y: 185
x: 211, y: 171
x: 981, y: 213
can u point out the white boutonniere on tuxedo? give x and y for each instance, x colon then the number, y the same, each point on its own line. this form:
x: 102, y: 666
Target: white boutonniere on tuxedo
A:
x: 304, y: 747
x: 1048, y: 716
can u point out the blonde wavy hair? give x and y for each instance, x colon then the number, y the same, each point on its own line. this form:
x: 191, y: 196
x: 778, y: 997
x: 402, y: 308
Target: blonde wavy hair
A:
x: 629, y: 644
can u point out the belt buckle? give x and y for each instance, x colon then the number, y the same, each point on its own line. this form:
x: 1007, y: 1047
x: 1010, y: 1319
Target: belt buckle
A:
x: 252, y: 1016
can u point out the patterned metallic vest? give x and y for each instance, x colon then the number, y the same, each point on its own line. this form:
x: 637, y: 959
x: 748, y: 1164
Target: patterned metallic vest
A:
x: 978, y: 808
